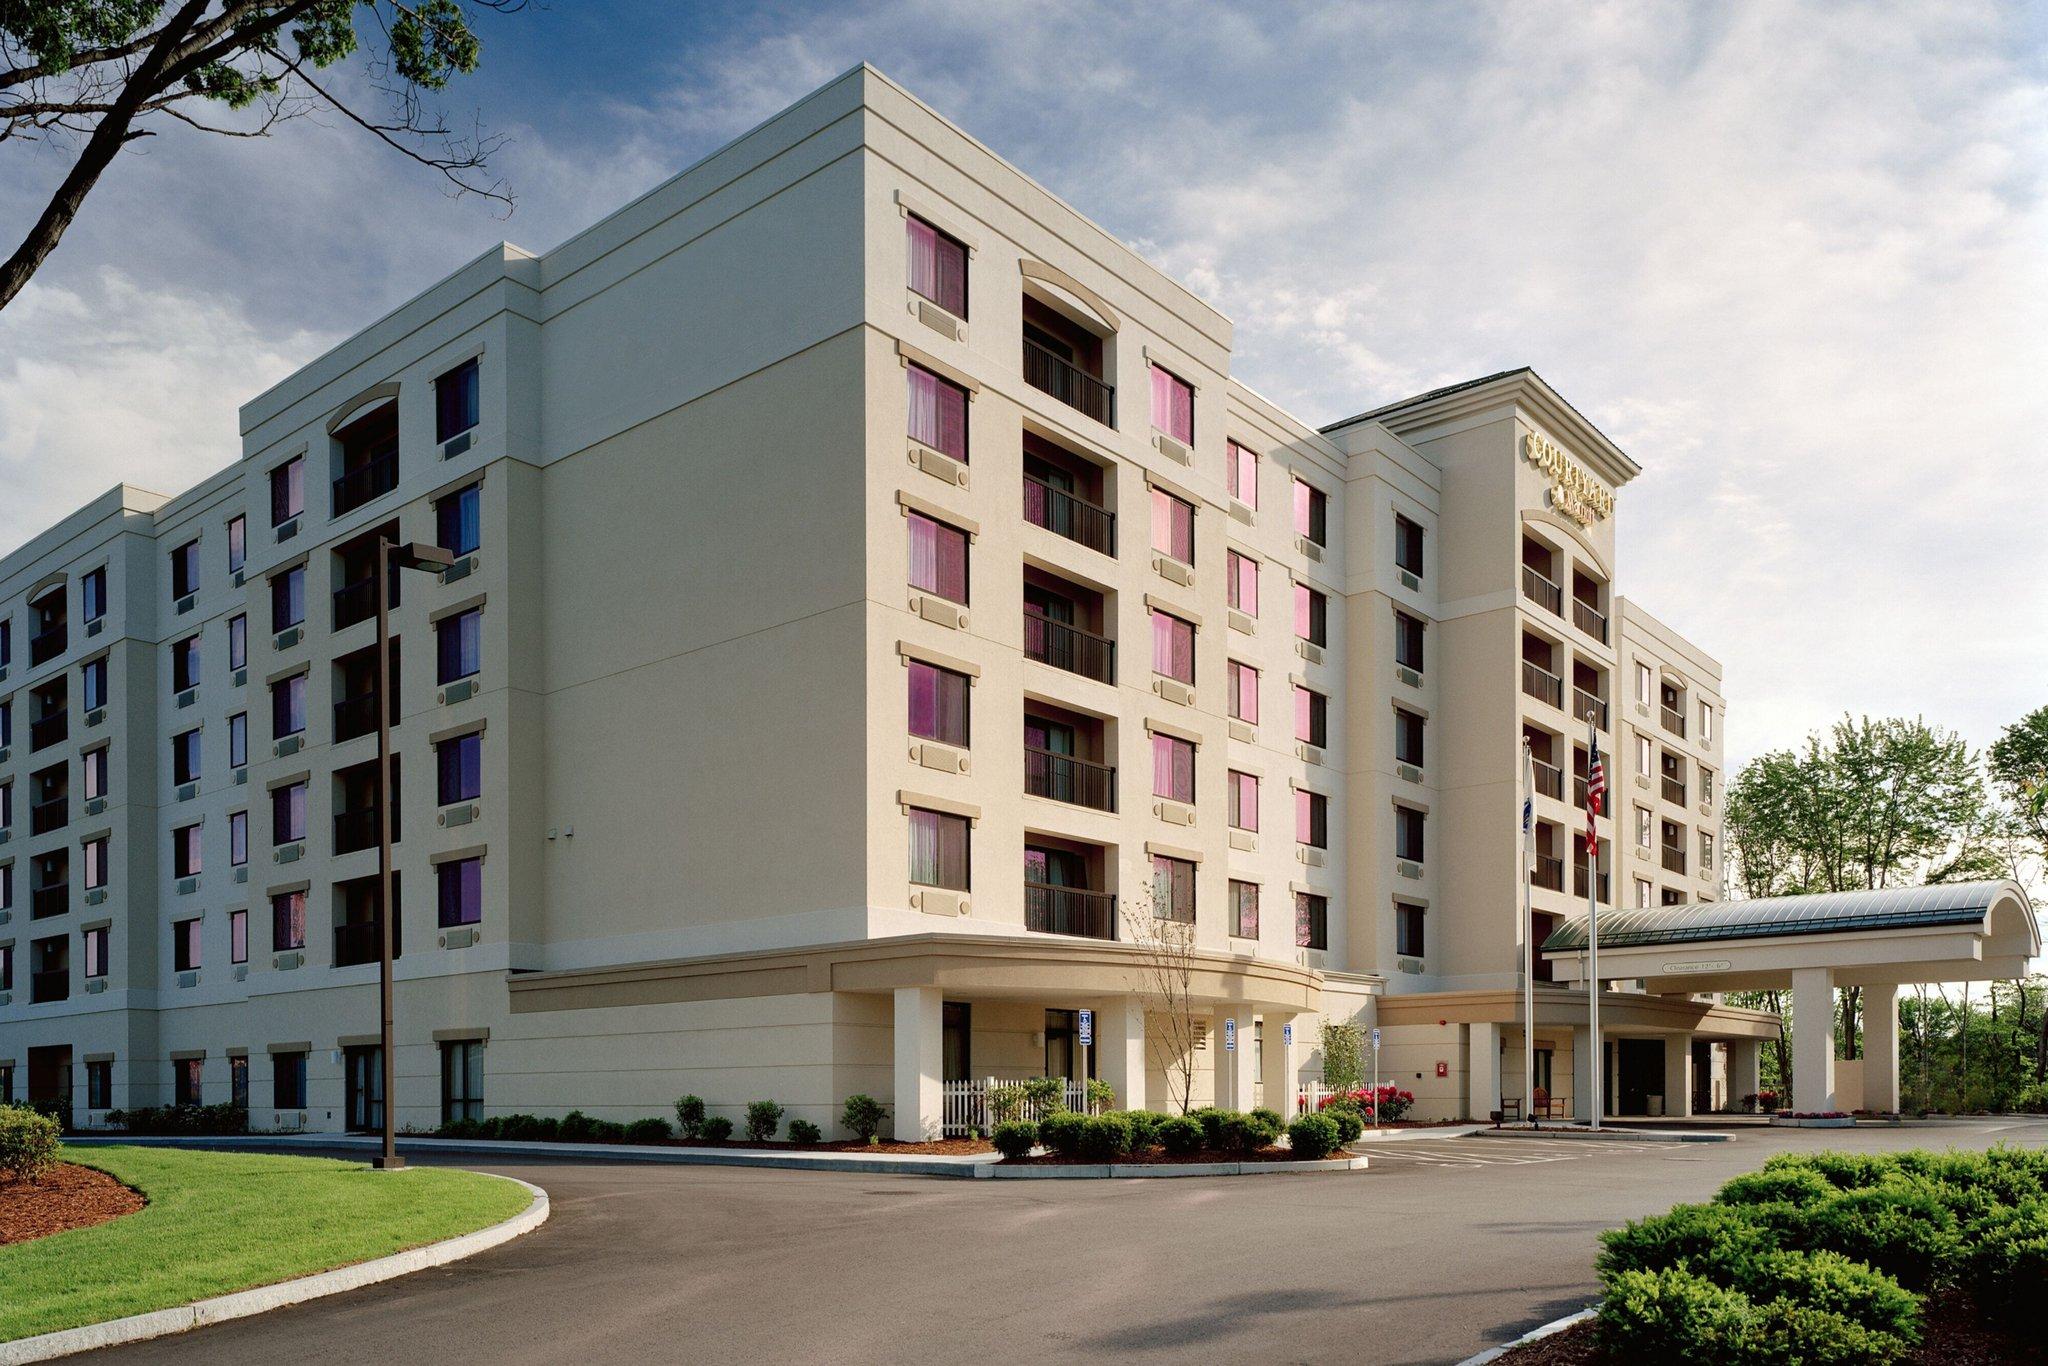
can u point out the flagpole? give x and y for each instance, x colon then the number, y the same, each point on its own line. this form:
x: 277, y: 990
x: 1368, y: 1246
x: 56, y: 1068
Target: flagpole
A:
x: 1599, y: 1100
x: 1529, y: 933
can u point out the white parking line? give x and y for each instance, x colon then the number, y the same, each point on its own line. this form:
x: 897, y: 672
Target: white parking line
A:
x: 1498, y: 1153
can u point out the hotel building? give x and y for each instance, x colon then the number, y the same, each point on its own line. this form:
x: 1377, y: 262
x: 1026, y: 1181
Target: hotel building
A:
x: 875, y: 611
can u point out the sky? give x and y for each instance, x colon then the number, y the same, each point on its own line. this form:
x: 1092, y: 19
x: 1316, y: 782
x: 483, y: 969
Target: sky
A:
x: 1792, y: 257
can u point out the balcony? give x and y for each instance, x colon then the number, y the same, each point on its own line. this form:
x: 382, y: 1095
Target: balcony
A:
x: 356, y: 830
x: 48, y: 730
x: 1674, y: 790
x: 1069, y: 383
x: 370, y: 480
x: 1579, y: 883
x: 45, y: 902
x: 43, y: 817
x: 355, y: 716
x: 1069, y: 910
x: 1540, y: 590
x: 357, y: 941
x: 1064, y: 778
x: 1549, y: 779
x: 1674, y: 859
x: 1589, y: 619
x: 354, y: 602
x: 47, y: 644
x: 1063, y: 514
x: 1069, y: 648
x: 1674, y: 720
x: 1549, y: 873
x: 52, y: 984
x: 1587, y: 706
x: 1541, y: 684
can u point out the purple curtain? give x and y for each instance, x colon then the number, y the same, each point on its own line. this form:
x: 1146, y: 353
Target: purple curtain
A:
x: 938, y: 267
x: 938, y: 413
x: 1173, y: 406
x: 938, y: 703
x: 938, y: 558
x: 1173, y: 647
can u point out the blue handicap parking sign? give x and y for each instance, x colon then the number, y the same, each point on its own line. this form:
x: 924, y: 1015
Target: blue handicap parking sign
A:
x: 1087, y: 1028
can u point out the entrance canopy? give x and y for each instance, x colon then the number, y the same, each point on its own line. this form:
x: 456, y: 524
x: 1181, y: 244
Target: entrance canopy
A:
x: 1961, y: 932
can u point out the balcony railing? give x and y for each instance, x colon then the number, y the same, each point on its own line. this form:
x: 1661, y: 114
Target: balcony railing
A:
x: 1542, y: 591
x: 1674, y: 721
x: 1588, y: 706
x: 46, y: 645
x: 49, y: 730
x: 1674, y: 859
x: 1069, y: 383
x: 1070, y: 648
x: 1579, y: 882
x: 1589, y: 619
x: 354, y: 602
x: 355, y: 716
x: 1065, y: 778
x: 43, y: 817
x: 1579, y: 791
x: 374, y: 478
x: 1549, y: 779
x: 1541, y: 684
x: 355, y: 830
x: 1549, y: 873
x: 1674, y: 789
x: 1063, y: 514
x: 45, y: 902
x: 358, y: 941
x: 52, y: 984
x: 1069, y: 910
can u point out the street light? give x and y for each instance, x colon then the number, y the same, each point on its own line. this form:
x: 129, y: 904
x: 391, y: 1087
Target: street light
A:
x: 416, y: 555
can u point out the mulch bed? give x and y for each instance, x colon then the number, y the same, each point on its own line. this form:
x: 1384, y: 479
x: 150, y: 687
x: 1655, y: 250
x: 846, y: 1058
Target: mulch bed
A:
x: 69, y: 1197
x: 1956, y: 1335
x: 1161, y: 1159
x: 945, y: 1147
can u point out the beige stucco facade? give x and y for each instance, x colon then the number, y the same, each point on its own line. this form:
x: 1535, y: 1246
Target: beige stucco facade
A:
x: 695, y: 475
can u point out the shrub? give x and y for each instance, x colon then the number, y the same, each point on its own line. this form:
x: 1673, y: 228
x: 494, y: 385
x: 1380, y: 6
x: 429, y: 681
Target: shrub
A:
x: 1269, y: 1123
x: 1105, y: 1138
x: 1046, y: 1093
x: 1061, y: 1132
x: 1825, y: 1281
x: 690, y: 1116
x: 1683, y: 1233
x: 174, y: 1119
x: 1844, y: 1171
x: 2009, y: 1265
x: 764, y: 1117
x: 862, y: 1116
x: 1313, y: 1136
x: 803, y: 1131
x: 1144, y: 1127
x: 1016, y: 1138
x: 1901, y: 1230
x: 2033, y: 1100
x: 1800, y: 1186
x: 1211, y: 1119
x: 28, y: 1143
x: 1180, y: 1135
x: 1006, y: 1103
x: 1246, y: 1133
x: 717, y: 1129
x: 1350, y: 1123
x: 653, y: 1129
x: 1101, y: 1095
x: 1343, y: 1065
x: 1672, y: 1315
x: 578, y: 1127
x: 460, y: 1128
x: 607, y: 1131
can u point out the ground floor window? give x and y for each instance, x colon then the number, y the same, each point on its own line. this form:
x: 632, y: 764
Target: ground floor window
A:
x: 238, y: 1082
x: 1544, y: 1058
x: 958, y: 1033
x: 7, y: 1085
x: 363, y: 1088
x: 185, y: 1076
x: 462, y: 1080
x: 99, y: 1085
x: 288, y: 1080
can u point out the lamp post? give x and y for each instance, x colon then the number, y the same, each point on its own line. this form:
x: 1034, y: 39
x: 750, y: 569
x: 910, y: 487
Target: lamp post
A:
x: 416, y: 555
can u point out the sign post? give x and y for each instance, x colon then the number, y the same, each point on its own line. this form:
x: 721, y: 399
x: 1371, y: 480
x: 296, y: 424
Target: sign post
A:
x: 1084, y: 1033
x: 1375, y: 1076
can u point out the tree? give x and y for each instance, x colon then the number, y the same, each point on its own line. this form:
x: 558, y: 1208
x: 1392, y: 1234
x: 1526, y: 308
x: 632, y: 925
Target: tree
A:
x: 109, y: 72
x: 2018, y: 760
x: 1166, y: 974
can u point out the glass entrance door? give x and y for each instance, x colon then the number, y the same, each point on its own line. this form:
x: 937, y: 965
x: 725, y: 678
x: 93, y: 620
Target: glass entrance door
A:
x: 364, y: 1075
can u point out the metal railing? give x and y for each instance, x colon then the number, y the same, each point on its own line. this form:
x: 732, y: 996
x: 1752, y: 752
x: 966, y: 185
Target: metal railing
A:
x: 1065, y: 778
x: 1674, y: 859
x: 1069, y: 383
x: 49, y: 730
x: 355, y: 830
x: 1549, y: 873
x: 1589, y: 619
x: 1588, y: 706
x: 46, y: 645
x: 44, y: 817
x: 1069, y: 647
x: 354, y: 602
x: 373, y: 478
x: 52, y: 984
x: 54, y: 899
x: 357, y: 941
x: 1541, y: 684
x: 1065, y: 514
x: 1541, y: 591
x: 1674, y: 721
x: 1579, y: 883
x: 1549, y: 779
x: 964, y: 1106
x: 1674, y: 789
x: 1050, y: 909
x: 355, y: 716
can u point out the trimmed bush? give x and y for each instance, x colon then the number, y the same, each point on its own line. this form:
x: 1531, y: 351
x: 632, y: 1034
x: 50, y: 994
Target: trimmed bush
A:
x: 607, y: 1131
x: 862, y: 1116
x: 1350, y: 1124
x: 1105, y: 1138
x: 803, y: 1131
x: 1269, y: 1123
x: 578, y: 1127
x: 690, y: 1116
x: 1903, y: 1231
x: 28, y: 1143
x: 177, y: 1119
x: 653, y: 1129
x: 1048, y: 1093
x: 1683, y: 1233
x: 1313, y: 1136
x: 1006, y: 1103
x: 1101, y: 1095
x: 1061, y: 1132
x: 764, y: 1117
x: 1246, y: 1133
x: 717, y: 1129
x: 1211, y: 1119
x: 2009, y: 1266
x: 1791, y: 1185
x: 1016, y: 1138
x: 1180, y: 1135
x: 1144, y: 1127
x: 1830, y: 1282
x: 1672, y: 1315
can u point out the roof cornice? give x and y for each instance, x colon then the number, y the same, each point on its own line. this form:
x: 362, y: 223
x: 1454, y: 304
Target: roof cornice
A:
x: 1525, y: 390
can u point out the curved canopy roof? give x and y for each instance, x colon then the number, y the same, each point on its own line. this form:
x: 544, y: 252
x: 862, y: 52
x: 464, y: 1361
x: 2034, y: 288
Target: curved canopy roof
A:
x: 1953, y: 904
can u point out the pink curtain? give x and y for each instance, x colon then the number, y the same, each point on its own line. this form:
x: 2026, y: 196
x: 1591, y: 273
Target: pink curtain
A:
x: 938, y: 268
x: 1302, y: 495
x: 1173, y: 647
x: 1244, y: 584
x: 1173, y: 406
x: 1173, y: 527
x: 938, y: 850
x: 1244, y: 792
x: 938, y: 703
x: 1244, y: 692
x: 1304, y: 715
x: 1247, y: 894
x: 1244, y: 475
x: 938, y: 413
x: 938, y: 558
x: 1173, y: 768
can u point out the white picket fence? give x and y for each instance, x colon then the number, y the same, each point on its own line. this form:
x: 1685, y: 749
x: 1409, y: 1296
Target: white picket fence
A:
x: 964, y: 1105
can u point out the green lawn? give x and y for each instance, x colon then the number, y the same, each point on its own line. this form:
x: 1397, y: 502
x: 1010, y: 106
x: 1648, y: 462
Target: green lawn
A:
x: 218, y: 1222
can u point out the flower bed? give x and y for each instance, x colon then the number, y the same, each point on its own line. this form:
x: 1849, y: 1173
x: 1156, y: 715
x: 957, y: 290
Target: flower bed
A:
x: 1813, y: 1119
x: 1140, y: 1137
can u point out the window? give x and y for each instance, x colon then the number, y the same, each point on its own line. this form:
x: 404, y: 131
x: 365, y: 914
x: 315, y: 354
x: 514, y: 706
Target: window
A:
x: 460, y: 765
x: 1311, y: 513
x: 1173, y: 889
x: 1408, y: 834
x: 185, y: 756
x: 1173, y: 768
x: 49, y: 970
x: 1311, y: 717
x: 1173, y: 647
x: 459, y: 891
x: 938, y: 267
x: 1706, y: 724
x: 1707, y: 785
x: 455, y: 401
x: 93, y: 854
x: 6, y: 805
x: 1243, y: 587
x: 185, y: 570
x: 238, y: 1081
x: 1311, y: 920
x: 288, y: 921
x: 288, y: 1081
x: 1646, y: 684
x: 92, y: 595
x: 1408, y: 545
x: 458, y: 520
x: 939, y: 849
x: 1408, y: 733
x: 1408, y: 641
x: 938, y: 413
x: 1311, y: 615
x: 458, y: 645
x: 238, y: 543
x: 6, y: 642
x: 938, y: 558
x: 938, y: 703
x: 1173, y: 526
x: 1241, y: 472
x: 1643, y: 755
x: 185, y: 944
x: 238, y: 839
x: 1244, y: 693
x: 1642, y: 827
x: 1707, y: 851
x: 1244, y: 909
x: 1645, y: 894
x: 288, y: 598
x: 288, y: 490
x: 288, y: 813
x: 238, y: 642
x: 1173, y: 406
x: 99, y: 1085
x: 1408, y: 929
x: 6, y: 724
x: 6, y: 980
x: 1244, y: 801
x: 185, y: 664
x: 93, y: 942
x: 185, y: 1075
x: 92, y: 683
x: 238, y: 936
x: 94, y: 776
x: 1311, y: 818
x: 288, y: 706
x: 185, y: 859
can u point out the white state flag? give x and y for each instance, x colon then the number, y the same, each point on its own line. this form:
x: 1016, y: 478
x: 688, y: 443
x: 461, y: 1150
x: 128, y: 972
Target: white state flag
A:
x: 1528, y: 807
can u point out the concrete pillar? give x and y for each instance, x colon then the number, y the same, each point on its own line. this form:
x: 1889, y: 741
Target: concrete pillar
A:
x: 1881, y: 1047
x: 920, y: 1061
x: 1678, y: 1075
x: 1583, y: 1046
x: 1482, y: 1070
x: 1120, y: 1049
x: 1233, y: 1066
x: 1813, y: 1039
x: 1276, y: 1060
x: 1745, y: 1069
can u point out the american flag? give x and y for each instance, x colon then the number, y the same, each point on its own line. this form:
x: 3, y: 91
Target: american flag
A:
x: 1596, y: 793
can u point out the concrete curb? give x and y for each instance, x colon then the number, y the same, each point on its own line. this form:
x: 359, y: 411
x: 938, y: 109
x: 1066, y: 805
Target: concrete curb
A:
x: 1098, y: 1171
x: 1410, y: 1135
x: 1608, y: 1135
x: 243, y: 1303
x: 1533, y: 1335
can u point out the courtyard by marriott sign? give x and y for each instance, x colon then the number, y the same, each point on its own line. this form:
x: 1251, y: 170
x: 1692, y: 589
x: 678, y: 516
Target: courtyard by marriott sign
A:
x: 1573, y: 491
